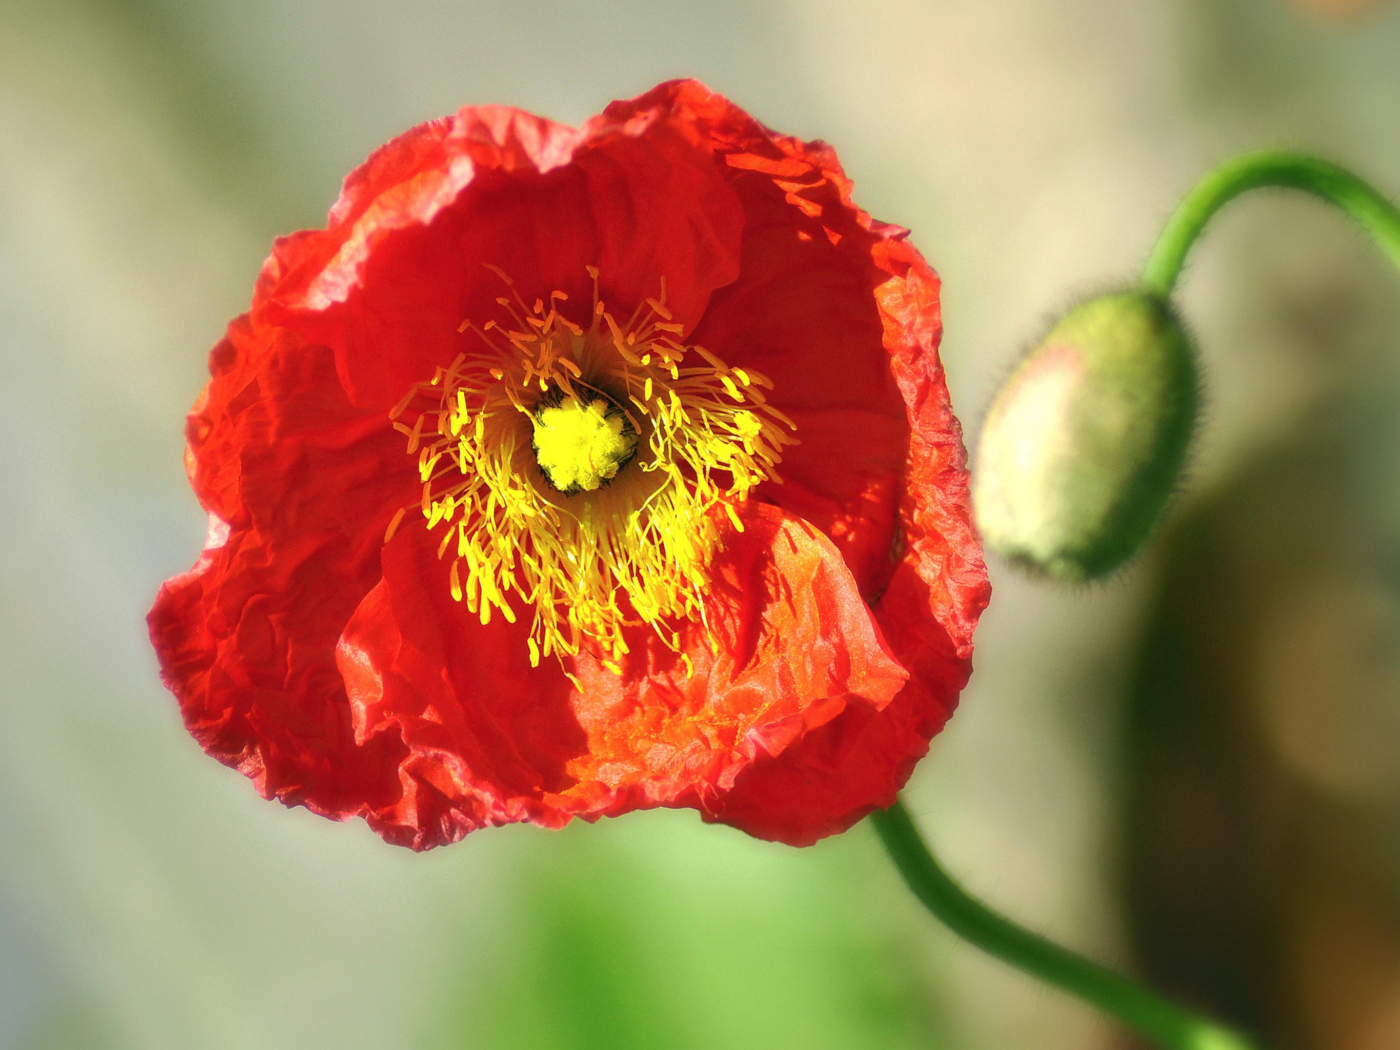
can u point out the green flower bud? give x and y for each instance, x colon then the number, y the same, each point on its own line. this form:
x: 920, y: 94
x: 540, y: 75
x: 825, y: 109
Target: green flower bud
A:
x: 1086, y: 439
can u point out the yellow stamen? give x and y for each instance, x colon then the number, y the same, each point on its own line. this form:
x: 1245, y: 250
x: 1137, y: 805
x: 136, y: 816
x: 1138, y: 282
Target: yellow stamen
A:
x: 577, y: 470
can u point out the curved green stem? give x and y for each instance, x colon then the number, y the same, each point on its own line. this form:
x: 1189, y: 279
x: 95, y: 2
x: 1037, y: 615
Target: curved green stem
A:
x: 1376, y: 215
x: 1162, y: 1022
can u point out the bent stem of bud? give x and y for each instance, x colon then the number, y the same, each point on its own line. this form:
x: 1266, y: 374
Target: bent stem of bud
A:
x: 1276, y: 169
x: 1163, y: 1022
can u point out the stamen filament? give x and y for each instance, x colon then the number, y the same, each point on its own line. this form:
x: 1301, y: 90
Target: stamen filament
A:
x: 632, y: 543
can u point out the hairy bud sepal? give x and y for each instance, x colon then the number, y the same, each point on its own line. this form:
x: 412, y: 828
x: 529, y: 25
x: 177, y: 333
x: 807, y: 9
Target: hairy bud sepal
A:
x: 1087, y: 438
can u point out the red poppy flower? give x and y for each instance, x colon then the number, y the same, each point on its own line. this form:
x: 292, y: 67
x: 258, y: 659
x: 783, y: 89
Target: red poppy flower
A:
x: 571, y: 472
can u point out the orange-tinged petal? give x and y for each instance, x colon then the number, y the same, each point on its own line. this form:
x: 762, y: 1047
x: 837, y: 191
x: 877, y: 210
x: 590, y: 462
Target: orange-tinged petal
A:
x: 936, y: 590
x: 492, y: 740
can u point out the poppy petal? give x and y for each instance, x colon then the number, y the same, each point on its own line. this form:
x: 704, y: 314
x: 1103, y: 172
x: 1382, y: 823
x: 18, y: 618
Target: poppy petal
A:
x: 247, y: 637
x: 492, y: 740
x: 412, y: 249
x: 803, y: 313
x: 937, y: 589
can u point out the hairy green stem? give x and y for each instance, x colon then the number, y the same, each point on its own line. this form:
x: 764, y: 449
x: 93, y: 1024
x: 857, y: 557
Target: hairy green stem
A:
x: 1157, y: 1019
x: 1371, y: 209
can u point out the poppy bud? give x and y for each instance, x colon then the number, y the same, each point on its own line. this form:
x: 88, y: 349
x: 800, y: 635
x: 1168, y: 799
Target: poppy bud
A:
x: 1086, y: 438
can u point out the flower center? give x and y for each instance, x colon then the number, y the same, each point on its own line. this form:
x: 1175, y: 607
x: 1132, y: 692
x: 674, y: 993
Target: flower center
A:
x: 521, y: 447
x: 580, y: 444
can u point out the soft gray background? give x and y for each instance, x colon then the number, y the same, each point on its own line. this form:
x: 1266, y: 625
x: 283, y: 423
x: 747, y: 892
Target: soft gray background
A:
x: 149, y: 151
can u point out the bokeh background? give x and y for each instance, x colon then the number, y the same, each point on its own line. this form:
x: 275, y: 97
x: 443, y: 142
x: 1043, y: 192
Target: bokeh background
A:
x: 1192, y: 772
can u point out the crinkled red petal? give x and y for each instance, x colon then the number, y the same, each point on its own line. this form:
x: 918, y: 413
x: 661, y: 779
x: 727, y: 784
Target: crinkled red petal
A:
x: 803, y: 312
x: 492, y: 740
x: 935, y: 588
x: 404, y: 259
x: 300, y: 487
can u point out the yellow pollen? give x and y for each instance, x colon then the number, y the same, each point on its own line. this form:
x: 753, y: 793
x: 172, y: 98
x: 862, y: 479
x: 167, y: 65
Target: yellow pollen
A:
x: 580, y: 445
x: 521, y: 446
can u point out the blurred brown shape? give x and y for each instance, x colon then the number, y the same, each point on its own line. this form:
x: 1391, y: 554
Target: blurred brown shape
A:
x: 1263, y: 772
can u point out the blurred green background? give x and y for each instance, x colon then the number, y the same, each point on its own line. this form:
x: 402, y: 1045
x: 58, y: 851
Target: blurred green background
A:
x: 1192, y: 772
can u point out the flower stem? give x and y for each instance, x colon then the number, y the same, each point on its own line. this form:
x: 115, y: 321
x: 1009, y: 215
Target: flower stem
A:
x: 1376, y: 214
x: 1155, y: 1018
